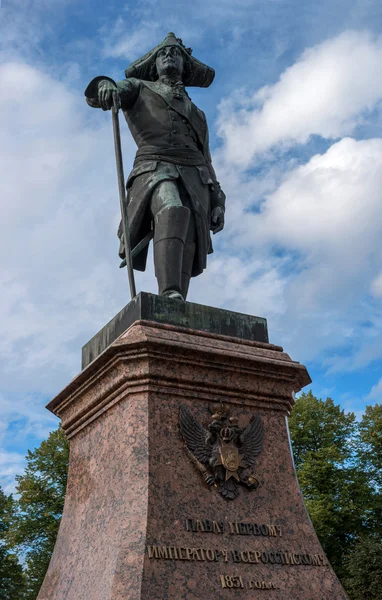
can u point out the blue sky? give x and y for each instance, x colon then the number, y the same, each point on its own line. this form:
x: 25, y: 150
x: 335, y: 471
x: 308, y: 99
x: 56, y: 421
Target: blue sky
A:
x: 295, y: 116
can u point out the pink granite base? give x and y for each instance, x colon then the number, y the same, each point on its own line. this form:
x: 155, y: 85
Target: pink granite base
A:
x: 132, y: 485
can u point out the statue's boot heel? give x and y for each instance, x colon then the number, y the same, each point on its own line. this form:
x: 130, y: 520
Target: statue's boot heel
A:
x: 170, y: 231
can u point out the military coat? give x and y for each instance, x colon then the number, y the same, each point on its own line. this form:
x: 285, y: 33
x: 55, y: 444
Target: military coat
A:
x: 172, y: 138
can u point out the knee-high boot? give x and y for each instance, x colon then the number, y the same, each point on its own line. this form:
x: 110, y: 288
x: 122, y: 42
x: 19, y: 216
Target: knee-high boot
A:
x: 170, y: 231
x: 188, y: 261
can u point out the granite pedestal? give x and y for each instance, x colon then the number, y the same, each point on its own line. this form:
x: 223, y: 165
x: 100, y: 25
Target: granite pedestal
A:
x: 140, y: 521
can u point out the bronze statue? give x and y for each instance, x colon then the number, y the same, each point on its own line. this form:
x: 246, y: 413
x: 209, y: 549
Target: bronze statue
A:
x: 172, y: 189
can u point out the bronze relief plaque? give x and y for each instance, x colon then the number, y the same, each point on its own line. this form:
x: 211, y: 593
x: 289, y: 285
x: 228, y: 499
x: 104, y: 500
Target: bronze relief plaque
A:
x: 224, y: 453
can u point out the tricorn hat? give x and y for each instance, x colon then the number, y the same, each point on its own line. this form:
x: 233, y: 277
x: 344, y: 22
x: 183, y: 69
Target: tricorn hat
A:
x: 198, y: 74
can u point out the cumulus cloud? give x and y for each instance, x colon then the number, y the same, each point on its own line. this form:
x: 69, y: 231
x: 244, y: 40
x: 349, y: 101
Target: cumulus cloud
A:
x: 328, y: 212
x: 25, y: 23
x: 127, y: 40
x: 323, y: 217
x: 123, y: 41
x: 329, y: 205
x: 376, y: 286
x: 375, y: 393
x: 318, y: 231
x: 327, y: 92
x: 11, y: 464
x: 22, y: 417
x: 246, y: 284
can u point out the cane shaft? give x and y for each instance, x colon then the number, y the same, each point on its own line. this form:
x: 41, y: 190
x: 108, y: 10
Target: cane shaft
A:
x: 122, y: 200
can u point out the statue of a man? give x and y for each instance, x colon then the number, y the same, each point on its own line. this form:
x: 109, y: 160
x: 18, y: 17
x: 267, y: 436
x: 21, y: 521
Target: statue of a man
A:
x: 172, y: 188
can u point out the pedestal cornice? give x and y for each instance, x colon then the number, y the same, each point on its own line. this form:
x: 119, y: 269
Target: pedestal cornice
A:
x: 201, y: 365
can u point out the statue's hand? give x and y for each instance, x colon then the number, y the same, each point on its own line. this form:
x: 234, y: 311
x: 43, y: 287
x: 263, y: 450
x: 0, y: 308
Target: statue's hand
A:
x: 217, y: 219
x: 108, y: 95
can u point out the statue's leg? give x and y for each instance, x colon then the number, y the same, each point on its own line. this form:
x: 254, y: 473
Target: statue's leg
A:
x: 190, y: 244
x: 171, y: 221
x: 188, y: 256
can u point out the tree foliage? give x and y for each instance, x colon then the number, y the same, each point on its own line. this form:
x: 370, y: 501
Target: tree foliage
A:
x: 316, y: 425
x: 371, y: 440
x: 11, y: 572
x: 370, y: 459
x: 334, y: 464
x: 41, y: 492
x: 364, y: 567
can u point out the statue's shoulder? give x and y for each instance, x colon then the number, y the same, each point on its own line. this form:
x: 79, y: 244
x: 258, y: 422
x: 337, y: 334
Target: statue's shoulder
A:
x: 200, y: 113
x: 133, y: 80
x: 130, y: 82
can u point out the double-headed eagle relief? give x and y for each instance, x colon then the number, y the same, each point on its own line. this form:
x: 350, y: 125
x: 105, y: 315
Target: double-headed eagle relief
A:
x: 225, y: 453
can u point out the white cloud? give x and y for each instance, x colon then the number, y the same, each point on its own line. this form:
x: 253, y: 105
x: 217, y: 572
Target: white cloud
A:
x: 376, y: 286
x: 329, y: 206
x: 122, y: 41
x: 327, y: 92
x: 23, y: 417
x: 243, y: 284
x: 375, y: 393
x: 317, y: 231
x: 25, y: 23
x: 11, y: 464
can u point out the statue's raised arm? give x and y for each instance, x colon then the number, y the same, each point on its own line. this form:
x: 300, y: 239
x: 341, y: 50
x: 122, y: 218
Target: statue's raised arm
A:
x: 172, y: 189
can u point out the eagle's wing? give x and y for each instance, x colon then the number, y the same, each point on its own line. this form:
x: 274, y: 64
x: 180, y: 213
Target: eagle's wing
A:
x: 252, y: 442
x: 195, y: 436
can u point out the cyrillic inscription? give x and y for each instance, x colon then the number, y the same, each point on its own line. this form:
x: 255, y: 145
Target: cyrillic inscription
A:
x: 235, y: 556
x: 254, y: 529
x: 184, y: 553
x: 281, y: 558
x: 233, y: 527
x: 204, y: 525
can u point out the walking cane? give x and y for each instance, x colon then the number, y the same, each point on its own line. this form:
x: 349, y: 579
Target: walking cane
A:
x: 122, y: 194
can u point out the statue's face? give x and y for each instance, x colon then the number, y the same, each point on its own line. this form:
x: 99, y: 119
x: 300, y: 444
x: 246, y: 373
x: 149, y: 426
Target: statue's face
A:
x: 169, y: 61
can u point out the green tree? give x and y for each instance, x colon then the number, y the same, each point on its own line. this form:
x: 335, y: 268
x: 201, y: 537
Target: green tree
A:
x: 337, y: 493
x: 315, y: 424
x: 11, y: 572
x: 370, y: 453
x: 41, y: 492
x: 364, y: 565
